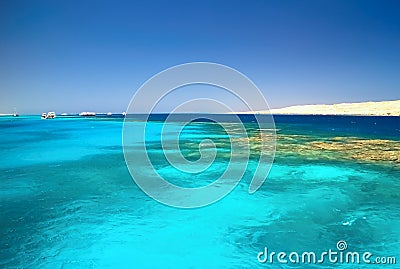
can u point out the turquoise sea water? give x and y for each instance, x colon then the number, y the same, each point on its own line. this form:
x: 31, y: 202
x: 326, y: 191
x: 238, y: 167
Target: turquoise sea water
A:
x: 67, y: 199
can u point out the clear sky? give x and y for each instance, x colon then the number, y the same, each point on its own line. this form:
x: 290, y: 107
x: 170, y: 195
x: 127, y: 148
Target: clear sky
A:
x: 72, y: 56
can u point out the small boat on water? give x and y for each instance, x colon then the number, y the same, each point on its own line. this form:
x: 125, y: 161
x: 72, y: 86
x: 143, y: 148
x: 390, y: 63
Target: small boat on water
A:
x: 109, y: 114
x: 49, y: 115
x: 87, y: 114
x: 15, y: 114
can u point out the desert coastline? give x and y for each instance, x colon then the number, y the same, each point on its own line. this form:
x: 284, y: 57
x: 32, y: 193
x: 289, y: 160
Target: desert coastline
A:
x: 381, y: 108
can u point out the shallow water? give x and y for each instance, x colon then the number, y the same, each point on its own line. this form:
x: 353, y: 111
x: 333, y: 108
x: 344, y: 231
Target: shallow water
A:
x: 67, y: 199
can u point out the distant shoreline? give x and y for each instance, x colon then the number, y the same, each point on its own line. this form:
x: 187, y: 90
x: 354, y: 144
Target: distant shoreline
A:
x: 200, y: 114
x: 382, y: 108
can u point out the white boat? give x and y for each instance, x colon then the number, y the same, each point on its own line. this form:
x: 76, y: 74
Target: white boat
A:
x: 15, y: 114
x: 109, y: 114
x: 49, y: 115
x: 124, y: 113
x: 87, y: 114
x: 64, y: 114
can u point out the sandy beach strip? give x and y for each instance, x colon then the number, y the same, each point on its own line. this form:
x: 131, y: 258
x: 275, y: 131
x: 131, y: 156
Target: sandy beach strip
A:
x: 382, y: 108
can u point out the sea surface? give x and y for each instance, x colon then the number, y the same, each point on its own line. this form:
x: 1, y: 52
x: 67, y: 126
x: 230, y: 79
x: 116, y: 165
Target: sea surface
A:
x: 67, y: 199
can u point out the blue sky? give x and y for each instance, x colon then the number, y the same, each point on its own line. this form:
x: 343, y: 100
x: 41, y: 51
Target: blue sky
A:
x: 71, y: 56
